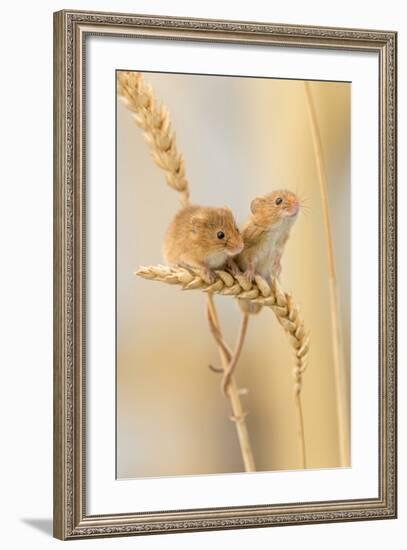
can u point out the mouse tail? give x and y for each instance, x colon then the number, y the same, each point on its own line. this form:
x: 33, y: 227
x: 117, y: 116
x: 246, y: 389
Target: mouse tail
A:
x: 154, y: 120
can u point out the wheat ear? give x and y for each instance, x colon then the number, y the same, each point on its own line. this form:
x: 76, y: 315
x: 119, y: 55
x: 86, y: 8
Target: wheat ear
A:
x: 341, y: 397
x: 154, y: 120
x: 260, y: 292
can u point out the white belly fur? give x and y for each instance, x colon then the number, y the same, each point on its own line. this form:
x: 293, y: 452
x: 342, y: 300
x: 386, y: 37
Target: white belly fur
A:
x: 265, y: 254
x: 216, y: 261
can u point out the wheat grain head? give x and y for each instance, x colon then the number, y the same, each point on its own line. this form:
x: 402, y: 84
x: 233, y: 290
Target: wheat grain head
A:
x: 155, y: 122
x: 259, y: 291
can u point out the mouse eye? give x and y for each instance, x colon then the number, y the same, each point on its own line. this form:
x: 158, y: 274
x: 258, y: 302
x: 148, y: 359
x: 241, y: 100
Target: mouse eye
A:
x: 220, y: 235
x: 279, y: 200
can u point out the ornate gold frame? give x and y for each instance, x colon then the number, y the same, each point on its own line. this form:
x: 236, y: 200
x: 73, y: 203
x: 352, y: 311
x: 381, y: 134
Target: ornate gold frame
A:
x: 70, y: 518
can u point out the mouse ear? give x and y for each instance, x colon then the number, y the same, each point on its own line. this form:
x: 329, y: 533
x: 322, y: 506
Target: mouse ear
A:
x: 255, y: 204
x: 197, y: 222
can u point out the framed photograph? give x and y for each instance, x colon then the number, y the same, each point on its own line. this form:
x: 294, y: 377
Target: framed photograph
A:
x: 225, y: 274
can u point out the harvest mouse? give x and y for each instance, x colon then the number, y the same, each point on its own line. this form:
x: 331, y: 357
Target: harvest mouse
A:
x: 265, y: 235
x: 204, y: 237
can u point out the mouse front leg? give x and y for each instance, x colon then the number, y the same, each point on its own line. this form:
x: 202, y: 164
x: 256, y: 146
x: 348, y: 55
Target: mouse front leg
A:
x: 277, y: 266
x: 233, y: 267
x: 250, y: 271
x: 208, y: 275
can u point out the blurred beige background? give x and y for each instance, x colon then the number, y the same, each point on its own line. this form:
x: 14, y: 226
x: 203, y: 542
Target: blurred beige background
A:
x: 240, y: 137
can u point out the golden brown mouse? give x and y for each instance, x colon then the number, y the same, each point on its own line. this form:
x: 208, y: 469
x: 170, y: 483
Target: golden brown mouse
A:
x: 264, y: 235
x: 203, y: 237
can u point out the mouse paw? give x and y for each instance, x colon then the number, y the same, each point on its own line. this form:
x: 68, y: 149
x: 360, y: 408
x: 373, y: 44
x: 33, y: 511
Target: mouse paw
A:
x: 233, y: 267
x: 249, y: 275
x: 208, y: 275
x: 276, y: 267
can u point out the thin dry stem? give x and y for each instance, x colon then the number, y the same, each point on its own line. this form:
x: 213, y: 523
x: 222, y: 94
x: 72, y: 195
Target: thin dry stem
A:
x: 233, y: 361
x: 239, y: 416
x: 215, y: 331
x: 259, y: 291
x: 154, y: 120
x: 301, y: 431
x: 340, y: 386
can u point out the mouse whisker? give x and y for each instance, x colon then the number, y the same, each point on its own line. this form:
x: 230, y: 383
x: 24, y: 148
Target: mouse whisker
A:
x: 304, y: 206
x: 303, y: 198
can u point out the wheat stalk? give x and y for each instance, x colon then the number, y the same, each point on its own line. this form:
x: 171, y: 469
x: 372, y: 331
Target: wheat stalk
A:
x: 341, y: 397
x: 259, y: 291
x: 154, y: 120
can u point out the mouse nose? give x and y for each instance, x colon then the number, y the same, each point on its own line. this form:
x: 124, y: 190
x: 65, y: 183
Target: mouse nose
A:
x: 295, y: 207
x: 240, y: 246
x: 237, y: 246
